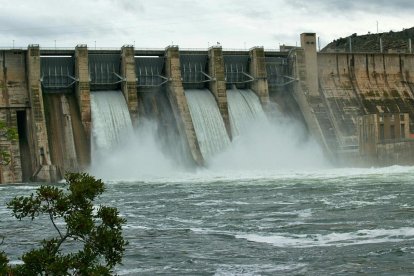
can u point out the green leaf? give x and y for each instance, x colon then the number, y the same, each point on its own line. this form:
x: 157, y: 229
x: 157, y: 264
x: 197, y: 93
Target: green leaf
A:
x: 99, y: 237
x: 4, y: 264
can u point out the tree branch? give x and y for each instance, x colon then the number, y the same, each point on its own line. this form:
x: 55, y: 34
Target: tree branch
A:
x: 54, y: 225
x: 67, y: 235
x: 53, y: 221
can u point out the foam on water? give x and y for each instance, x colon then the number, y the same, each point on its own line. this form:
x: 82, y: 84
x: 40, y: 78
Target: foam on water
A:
x: 365, y: 236
x: 19, y: 187
x: 256, y: 222
x: 229, y: 270
x: 171, y: 174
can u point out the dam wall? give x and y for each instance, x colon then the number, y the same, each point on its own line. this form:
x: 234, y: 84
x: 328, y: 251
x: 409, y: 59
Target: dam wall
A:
x: 129, y: 84
x: 42, y: 166
x: 358, y: 106
x: 14, y: 108
x: 344, y: 89
x: 258, y: 72
x: 306, y: 93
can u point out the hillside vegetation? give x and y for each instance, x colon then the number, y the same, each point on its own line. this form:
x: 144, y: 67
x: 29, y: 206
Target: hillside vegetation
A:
x: 391, y: 42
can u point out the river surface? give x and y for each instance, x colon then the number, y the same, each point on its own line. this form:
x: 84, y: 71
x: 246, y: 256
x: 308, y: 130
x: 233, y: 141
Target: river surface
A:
x: 323, y: 222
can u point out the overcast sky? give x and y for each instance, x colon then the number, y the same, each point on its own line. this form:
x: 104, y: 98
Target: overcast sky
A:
x: 194, y: 23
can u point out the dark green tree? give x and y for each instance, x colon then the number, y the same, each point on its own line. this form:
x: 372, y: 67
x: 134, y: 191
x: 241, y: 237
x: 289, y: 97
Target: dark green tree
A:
x: 91, y: 241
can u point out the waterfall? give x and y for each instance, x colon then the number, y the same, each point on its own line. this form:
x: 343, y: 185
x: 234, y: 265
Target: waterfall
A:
x: 120, y: 152
x: 262, y: 143
x: 244, y: 108
x: 111, y: 122
x: 208, y: 123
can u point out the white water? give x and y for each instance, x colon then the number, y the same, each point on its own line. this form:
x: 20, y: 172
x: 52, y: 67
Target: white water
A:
x: 139, y: 157
x: 363, y: 236
x: 244, y: 109
x: 208, y: 123
x: 111, y: 122
x: 260, y: 143
x: 110, y: 118
x: 265, y: 148
x: 233, y: 227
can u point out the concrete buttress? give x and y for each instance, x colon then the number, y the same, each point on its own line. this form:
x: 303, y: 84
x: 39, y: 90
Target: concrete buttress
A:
x: 306, y: 93
x: 179, y: 103
x: 43, y: 169
x: 258, y: 72
x: 218, y: 85
x: 129, y: 85
x: 83, y: 90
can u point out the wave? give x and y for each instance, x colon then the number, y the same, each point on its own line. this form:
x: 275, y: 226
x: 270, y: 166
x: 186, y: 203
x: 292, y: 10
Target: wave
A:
x: 207, y: 176
x: 365, y: 236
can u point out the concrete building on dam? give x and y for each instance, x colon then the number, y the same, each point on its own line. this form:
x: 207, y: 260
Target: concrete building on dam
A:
x: 359, y: 106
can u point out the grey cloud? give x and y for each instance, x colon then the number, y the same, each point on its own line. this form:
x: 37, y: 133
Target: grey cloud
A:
x: 131, y: 6
x: 258, y: 14
x: 188, y: 22
x: 256, y: 10
x: 43, y: 28
x: 54, y: 21
x: 370, y: 6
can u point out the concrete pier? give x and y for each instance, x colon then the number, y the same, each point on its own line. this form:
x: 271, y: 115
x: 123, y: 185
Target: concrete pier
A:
x: 129, y: 85
x: 60, y: 133
x: 306, y: 93
x: 218, y: 85
x: 82, y: 90
x: 258, y: 72
x: 179, y: 102
x: 43, y: 169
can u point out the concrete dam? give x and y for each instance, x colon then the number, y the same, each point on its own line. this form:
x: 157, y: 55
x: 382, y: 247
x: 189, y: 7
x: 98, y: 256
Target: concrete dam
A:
x: 69, y: 105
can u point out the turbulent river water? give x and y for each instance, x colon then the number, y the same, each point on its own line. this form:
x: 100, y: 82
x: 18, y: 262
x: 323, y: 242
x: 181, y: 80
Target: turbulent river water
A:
x: 321, y: 222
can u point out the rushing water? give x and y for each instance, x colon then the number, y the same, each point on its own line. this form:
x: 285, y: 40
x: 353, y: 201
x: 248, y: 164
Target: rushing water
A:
x: 320, y: 222
x: 244, y: 109
x: 111, y: 121
x: 111, y: 127
x: 208, y: 123
x: 268, y: 204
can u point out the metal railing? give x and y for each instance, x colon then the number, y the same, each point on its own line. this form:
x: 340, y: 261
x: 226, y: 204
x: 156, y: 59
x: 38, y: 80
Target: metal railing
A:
x: 47, y: 84
x: 394, y: 140
x: 72, y: 48
x: 151, y: 80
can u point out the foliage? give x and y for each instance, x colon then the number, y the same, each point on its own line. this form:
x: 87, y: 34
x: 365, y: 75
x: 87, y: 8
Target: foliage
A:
x: 9, y: 134
x: 392, y: 40
x: 95, y: 232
